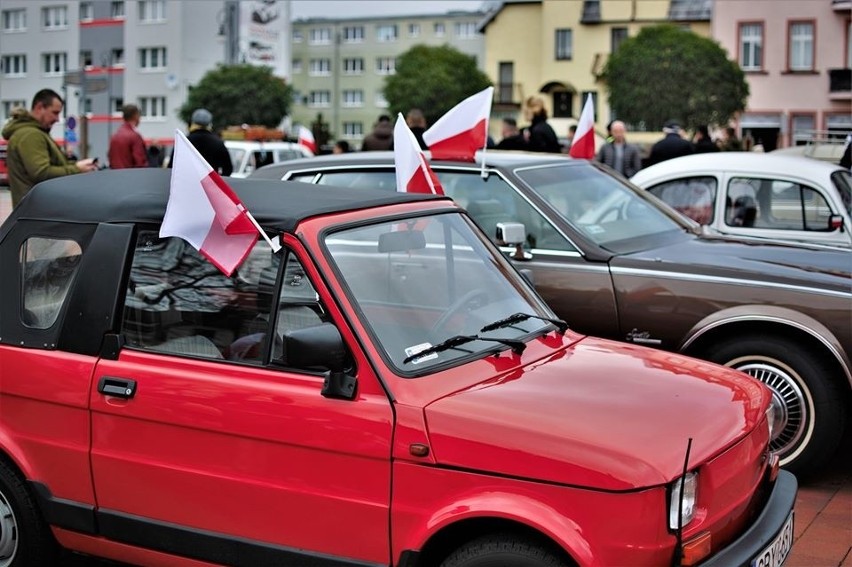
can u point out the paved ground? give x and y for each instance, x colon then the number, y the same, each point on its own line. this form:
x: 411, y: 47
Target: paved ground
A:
x: 823, y: 509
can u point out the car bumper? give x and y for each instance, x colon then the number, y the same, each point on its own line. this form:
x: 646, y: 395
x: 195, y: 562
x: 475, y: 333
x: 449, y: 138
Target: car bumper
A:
x: 768, y: 525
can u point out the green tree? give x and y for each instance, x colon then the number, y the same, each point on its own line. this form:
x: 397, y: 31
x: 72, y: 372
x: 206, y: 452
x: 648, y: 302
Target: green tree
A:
x: 240, y: 94
x: 433, y: 79
x: 666, y: 72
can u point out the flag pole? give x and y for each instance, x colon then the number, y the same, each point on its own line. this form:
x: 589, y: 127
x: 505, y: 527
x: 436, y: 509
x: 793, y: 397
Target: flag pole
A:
x: 276, y: 246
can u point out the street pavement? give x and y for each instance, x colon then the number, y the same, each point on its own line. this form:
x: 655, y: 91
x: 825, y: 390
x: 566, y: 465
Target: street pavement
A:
x: 823, y: 521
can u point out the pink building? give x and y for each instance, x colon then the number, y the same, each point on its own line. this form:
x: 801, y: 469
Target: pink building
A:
x: 797, y: 56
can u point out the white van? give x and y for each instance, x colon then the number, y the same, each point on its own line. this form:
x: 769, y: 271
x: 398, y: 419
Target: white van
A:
x: 249, y: 155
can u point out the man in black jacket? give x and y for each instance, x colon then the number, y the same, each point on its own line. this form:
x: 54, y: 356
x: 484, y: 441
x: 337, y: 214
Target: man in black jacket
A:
x: 209, y: 145
x: 671, y: 146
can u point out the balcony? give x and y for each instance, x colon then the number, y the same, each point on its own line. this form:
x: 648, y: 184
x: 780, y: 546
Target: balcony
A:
x: 841, y: 5
x: 840, y: 84
x: 591, y: 12
x: 691, y: 10
x: 508, y: 96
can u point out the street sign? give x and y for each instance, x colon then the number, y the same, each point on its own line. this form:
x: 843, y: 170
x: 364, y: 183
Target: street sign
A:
x: 70, y: 136
x: 70, y: 123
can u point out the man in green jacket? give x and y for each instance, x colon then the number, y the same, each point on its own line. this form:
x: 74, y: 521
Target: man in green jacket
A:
x: 31, y: 154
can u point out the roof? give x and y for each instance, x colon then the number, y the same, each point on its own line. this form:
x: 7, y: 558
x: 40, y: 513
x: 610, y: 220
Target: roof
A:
x: 140, y: 196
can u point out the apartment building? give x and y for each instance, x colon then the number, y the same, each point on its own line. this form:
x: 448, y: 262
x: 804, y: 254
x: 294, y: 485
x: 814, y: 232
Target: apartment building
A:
x: 797, y: 58
x: 102, y: 54
x: 339, y: 65
x: 557, y: 49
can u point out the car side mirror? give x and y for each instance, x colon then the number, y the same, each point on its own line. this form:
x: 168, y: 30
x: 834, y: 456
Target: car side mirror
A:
x: 835, y: 222
x: 321, y: 348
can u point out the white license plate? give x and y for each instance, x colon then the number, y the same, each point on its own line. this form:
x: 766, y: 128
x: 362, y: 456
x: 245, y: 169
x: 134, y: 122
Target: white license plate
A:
x: 775, y: 554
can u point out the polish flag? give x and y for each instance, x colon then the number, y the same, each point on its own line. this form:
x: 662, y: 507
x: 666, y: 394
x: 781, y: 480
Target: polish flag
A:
x: 205, y: 212
x: 413, y: 174
x: 462, y: 130
x: 306, y: 138
x: 583, y: 145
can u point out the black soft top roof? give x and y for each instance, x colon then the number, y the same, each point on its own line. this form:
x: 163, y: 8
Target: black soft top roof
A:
x: 140, y: 195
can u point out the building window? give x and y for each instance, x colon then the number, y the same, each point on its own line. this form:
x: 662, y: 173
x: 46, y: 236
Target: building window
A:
x: 320, y: 67
x: 87, y: 12
x: 152, y: 58
x: 14, y: 65
x: 116, y: 10
x: 15, y: 20
x: 386, y: 32
x: 353, y: 98
x: 152, y: 106
x: 381, y: 101
x: 116, y: 57
x: 563, y: 104
x: 386, y: 65
x: 354, y: 66
x: 86, y: 58
x: 54, y: 64
x: 298, y: 36
x: 54, y: 17
x: 152, y: 11
x: 296, y: 66
x: 617, y: 37
x: 564, y: 44
x: 801, y: 55
x: 319, y: 99
x: 353, y: 129
x: 413, y: 30
x: 506, y: 82
x: 319, y: 36
x: 116, y: 105
x: 751, y: 47
x: 353, y: 34
x: 594, y: 95
x: 440, y: 29
x: 10, y: 105
x: 465, y: 30
x: 802, y: 128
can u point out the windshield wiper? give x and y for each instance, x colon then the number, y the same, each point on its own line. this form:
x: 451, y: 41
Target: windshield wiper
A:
x: 458, y: 340
x: 561, y: 325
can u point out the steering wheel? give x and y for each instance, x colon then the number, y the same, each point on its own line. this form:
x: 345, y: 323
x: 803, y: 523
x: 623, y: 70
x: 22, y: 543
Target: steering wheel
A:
x: 471, y: 298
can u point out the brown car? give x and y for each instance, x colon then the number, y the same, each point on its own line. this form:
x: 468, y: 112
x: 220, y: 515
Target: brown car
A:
x: 616, y: 262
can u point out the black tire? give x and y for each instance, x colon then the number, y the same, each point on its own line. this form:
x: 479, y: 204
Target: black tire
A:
x: 804, y: 387
x: 25, y: 540
x: 503, y: 550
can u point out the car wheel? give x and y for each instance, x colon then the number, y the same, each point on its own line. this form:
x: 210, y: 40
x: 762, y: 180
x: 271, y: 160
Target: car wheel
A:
x: 810, y: 408
x: 25, y: 540
x: 502, y: 550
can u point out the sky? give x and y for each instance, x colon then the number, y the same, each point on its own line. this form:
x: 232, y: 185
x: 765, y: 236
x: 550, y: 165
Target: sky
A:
x: 369, y: 8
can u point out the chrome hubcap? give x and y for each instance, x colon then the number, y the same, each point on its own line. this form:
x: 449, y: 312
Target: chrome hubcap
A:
x: 8, y: 533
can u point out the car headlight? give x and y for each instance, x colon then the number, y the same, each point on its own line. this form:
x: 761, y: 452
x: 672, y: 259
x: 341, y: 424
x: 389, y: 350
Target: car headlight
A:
x: 684, y: 491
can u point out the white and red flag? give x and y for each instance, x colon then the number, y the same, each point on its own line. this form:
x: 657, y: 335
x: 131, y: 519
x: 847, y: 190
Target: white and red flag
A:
x: 306, y: 138
x: 413, y: 174
x: 463, y: 130
x: 205, y: 212
x: 583, y: 144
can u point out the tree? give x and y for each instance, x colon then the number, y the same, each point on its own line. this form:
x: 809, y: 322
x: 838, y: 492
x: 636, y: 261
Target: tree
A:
x: 240, y: 94
x: 666, y: 72
x: 433, y: 79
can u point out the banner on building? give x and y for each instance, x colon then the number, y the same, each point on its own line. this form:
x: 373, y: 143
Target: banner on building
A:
x: 263, y: 26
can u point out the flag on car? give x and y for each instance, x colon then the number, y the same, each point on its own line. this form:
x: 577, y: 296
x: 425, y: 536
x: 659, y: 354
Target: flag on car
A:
x: 413, y: 174
x: 306, y: 138
x: 463, y: 130
x: 583, y: 144
x: 203, y: 210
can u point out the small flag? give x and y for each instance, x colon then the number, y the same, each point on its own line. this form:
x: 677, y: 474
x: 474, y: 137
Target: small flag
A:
x: 413, y: 174
x: 583, y: 144
x: 306, y: 138
x: 463, y: 130
x: 203, y: 210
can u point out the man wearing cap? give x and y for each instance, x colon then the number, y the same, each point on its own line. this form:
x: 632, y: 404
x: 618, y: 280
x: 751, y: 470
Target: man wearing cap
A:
x: 209, y: 145
x: 671, y: 146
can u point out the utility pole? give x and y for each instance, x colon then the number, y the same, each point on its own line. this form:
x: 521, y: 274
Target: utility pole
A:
x: 232, y: 32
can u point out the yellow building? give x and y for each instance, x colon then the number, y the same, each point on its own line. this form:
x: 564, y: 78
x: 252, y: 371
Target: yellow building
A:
x: 557, y: 49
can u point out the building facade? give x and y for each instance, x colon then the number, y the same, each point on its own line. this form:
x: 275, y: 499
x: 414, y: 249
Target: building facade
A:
x: 102, y: 54
x: 339, y: 65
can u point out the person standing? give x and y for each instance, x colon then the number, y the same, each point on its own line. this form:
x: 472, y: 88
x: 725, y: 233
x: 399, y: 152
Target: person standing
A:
x: 702, y: 143
x: 671, y: 146
x: 512, y: 137
x: 417, y: 124
x: 731, y: 143
x: 126, y: 147
x: 539, y: 135
x: 31, y: 154
x: 618, y: 154
x: 209, y: 145
x: 381, y: 138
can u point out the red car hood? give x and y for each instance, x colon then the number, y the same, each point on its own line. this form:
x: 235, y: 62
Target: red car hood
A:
x: 599, y: 414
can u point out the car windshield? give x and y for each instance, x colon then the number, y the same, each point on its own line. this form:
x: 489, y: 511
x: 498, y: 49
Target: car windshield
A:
x: 423, y: 281
x: 603, y: 209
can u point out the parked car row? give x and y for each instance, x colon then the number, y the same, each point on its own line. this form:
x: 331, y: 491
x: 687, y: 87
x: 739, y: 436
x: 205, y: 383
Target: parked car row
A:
x: 388, y: 389
x: 616, y: 262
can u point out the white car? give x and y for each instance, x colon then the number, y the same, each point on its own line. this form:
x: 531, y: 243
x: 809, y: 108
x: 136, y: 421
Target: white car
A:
x: 762, y: 195
x: 249, y: 155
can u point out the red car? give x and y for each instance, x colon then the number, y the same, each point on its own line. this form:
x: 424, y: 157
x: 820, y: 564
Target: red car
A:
x: 386, y: 390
